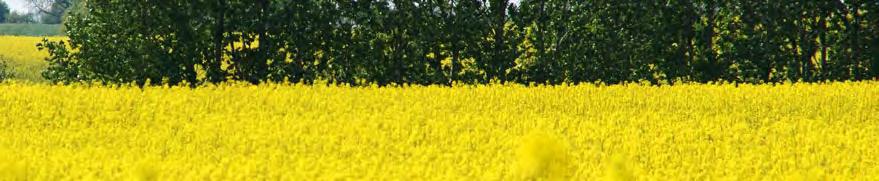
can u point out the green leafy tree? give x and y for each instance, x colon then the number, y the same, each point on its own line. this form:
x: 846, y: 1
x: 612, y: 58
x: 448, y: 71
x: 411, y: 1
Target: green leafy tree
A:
x: 51, y: 11
x: 400, y: 42
x: 4, y: 11
x: 21, y: 18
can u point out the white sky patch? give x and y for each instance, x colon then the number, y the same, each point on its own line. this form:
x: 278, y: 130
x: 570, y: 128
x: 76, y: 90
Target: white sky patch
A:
x: 18, y: 5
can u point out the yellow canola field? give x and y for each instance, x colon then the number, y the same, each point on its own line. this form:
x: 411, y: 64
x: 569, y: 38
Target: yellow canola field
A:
x: 288, y: 132
x: 22, y: 56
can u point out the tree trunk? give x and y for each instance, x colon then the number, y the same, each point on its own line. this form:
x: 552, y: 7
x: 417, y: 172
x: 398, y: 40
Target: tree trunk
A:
x: 453, y: 68
x: 806, y: 51
x: 541, y: 44
x: 821, y: 30
x: 496, y: 66
x: 715, y: 68
x: 261, y: 59
x: 437, y: 65
x: 399, y: 68
x: 856, y: 47
x: 213, y: 68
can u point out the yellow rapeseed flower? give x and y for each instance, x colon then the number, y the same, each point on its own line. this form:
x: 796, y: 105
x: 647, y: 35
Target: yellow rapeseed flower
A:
x: 294, y: 132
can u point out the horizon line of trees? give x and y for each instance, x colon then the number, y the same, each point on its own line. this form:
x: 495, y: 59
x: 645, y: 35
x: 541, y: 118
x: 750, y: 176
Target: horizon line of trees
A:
x: 388, y: 42
x: 43, y: 11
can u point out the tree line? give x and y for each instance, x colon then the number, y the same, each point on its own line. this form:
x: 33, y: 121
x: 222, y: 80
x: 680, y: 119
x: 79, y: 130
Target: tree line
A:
x: 396, y: 42
x: 44, y: 11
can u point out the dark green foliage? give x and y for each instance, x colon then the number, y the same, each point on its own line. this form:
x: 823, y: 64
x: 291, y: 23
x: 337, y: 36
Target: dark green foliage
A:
x: 21, y: 18
x: 4, y: 11
x: 395, y: 42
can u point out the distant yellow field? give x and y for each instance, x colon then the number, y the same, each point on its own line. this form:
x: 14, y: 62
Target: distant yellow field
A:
x: 24, y: 58
x: 281, y: 132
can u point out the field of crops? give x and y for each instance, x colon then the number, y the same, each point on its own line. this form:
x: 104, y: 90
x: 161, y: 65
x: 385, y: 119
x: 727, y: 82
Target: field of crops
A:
x: 288, y: 132
x: 22, y: 56
x: 31, y: 30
